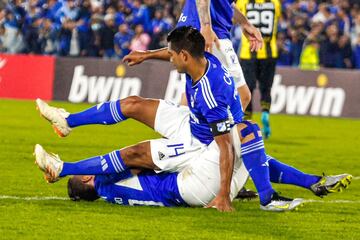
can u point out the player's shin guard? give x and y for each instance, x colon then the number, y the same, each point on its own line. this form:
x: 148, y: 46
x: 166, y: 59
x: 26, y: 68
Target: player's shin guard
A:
x: 282, y: 173
x: 106, y: 164
x: 254, y: 158
x: 103, y: 113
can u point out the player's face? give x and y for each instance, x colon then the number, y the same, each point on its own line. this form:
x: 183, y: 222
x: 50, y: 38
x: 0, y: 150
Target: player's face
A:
x: 177, y: 59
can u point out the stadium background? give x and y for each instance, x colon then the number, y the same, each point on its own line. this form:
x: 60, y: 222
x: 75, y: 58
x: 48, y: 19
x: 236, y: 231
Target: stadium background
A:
x: 62, y: 53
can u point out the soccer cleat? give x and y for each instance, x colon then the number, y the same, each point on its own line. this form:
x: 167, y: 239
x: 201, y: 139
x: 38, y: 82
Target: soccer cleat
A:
x: 281, y: 204
x: 331, y: 184
x: 266, y: 124
x: 50, y: 164
x: 56, y: 116
x: 246, y: 194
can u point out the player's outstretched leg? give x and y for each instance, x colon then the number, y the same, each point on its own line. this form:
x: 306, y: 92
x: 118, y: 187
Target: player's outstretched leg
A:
x: 140, y: 109
x: 320, y: 186
x: 254, y: 158
x: 118, y: 161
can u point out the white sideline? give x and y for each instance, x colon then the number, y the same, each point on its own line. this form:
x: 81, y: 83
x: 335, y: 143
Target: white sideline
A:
x: 35, y: 198
x: 331, y: 201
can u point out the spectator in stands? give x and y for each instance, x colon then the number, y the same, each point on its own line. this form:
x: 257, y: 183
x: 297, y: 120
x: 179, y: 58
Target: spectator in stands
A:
x: 357, y: 53
x: 69, y: 10
x: 2, y: 38
x: 52, y: 10
x: 284, y: 48
x: 12, y: 38
x: 141, y: 39
x: 330, y: 55
x: 122, y: 41
x: 32, y: 42
x: 159, y: 30
x: 295, y: 47
x: 345, y: 52
x: 107, y: 33
x: 140, y: 15
x: 48, y: 37
x: 356, y: 28
x: 65, y: 37
x: 309, y: 59
x: 343, y: 21
x: 323, y: 15
x: 92, y: 47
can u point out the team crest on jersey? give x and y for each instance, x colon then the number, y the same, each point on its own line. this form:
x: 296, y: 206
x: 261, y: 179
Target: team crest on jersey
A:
x: 223, y: 126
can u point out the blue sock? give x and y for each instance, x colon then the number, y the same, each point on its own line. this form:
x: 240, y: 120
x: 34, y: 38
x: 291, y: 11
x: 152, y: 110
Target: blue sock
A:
x: 103, y: 113
x: 254, y: 158
x: 107, y: 164
x: 282, y: 173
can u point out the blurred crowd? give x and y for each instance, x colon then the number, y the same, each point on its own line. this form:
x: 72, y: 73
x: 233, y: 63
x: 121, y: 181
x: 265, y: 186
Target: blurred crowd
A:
x: 311, y: 33
x: 320, y: 33
x: 97, y: 28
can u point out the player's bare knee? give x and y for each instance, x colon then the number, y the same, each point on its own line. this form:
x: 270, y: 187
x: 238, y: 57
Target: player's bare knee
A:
x: 137, y: 156
x: 131, y: 105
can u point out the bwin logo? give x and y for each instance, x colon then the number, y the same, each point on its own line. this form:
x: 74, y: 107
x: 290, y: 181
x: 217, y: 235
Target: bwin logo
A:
x: 317, y: 101
x: 100, y: 88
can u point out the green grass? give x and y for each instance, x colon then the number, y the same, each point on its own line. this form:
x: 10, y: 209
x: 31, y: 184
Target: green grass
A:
x: 314, y: 145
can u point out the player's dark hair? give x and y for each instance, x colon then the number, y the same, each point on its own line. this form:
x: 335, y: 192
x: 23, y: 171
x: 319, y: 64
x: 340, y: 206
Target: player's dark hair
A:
x: 77, y: 190
x: 189, y: 39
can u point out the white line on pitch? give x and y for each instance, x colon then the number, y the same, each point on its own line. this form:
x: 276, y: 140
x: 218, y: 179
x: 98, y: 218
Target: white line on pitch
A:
x: 35, y: 198
x: 356, y: 178
x: 331, y: 201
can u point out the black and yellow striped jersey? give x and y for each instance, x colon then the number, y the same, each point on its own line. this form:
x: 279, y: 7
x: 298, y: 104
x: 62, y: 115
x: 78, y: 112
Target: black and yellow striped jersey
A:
x: 263, y: 14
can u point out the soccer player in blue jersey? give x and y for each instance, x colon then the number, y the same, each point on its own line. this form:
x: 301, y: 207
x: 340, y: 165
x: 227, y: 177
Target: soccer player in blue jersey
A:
x: 207, y: 134
x: 215, y: 21
x: 187, y: 188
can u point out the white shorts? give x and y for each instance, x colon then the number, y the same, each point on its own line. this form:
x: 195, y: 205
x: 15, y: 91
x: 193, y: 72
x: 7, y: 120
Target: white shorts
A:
x: 197, y: 163
x: 178, y: 147
x: 228, y: 57
x: 199, y: 183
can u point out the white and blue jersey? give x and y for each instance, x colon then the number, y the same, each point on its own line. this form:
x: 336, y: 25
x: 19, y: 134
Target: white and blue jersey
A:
x: 146, y: 188
x: 221, y: 13
x: 212, y: 99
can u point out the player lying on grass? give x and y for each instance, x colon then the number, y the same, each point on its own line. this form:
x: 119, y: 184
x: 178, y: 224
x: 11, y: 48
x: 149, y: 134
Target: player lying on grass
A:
x: 189, y: 187
x: 204, y: 130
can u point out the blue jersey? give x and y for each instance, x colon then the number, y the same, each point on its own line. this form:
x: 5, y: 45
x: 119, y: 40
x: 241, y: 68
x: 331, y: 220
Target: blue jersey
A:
x: 212, y: 99
x: 221, y: 13
x: 146, y: 188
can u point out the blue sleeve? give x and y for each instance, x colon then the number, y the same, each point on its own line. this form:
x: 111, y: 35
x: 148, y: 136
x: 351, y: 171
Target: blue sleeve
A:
x: 214, y: 106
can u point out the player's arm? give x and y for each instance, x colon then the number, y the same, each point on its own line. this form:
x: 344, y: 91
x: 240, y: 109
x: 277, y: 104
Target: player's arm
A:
x: 137, y: 57
x: 222, y: 201
x: 249, y: 30
x: 203, y: 8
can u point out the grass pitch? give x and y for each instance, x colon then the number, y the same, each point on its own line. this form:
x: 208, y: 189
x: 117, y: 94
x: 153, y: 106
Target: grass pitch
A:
x: 28, y: 210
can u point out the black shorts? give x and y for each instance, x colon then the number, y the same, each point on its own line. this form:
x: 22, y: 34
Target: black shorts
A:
x: 261, y: 70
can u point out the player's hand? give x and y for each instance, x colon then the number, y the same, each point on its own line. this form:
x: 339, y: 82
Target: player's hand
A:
x: 210, y: 38
x: 134, y: 57
x: 254, y: 36
x: 221, y: 203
